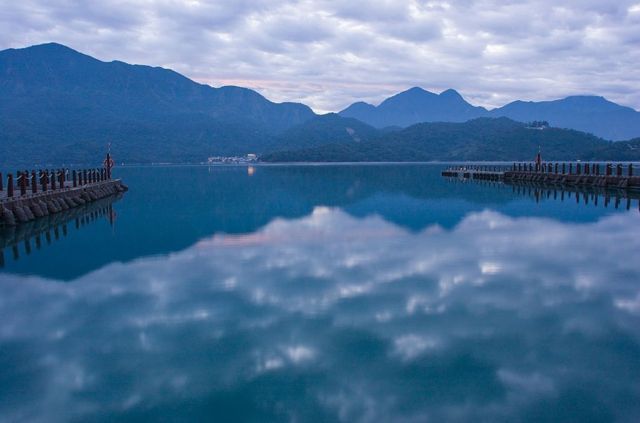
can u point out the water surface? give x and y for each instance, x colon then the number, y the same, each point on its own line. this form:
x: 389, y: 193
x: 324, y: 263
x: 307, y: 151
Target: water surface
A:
x: 326, y: 293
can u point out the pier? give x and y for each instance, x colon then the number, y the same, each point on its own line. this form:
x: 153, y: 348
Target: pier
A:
x: 604, y: 175
x: 28, y: 195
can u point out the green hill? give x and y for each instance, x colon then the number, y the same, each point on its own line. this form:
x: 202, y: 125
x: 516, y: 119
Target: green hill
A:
x: 59, y: 105
x: 478, y: 139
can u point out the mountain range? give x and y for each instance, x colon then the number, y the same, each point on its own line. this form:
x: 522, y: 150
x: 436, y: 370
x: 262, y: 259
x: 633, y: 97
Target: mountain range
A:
x: 58, y: 105
x: 590, y: 114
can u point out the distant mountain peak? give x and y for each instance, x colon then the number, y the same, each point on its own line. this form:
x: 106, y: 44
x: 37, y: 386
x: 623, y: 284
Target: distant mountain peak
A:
x: 415, y: 92
x: 53, y: 47
x: 451, y: 93
x: 48, y: 52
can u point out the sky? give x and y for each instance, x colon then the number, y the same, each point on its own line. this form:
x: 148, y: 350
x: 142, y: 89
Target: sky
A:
x: 329, y: 54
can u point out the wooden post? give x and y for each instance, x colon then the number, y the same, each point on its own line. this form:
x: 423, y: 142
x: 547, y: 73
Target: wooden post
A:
x: 578, y: 166
x: 1, y: 183
x: 596, y: 169
x: 53, y: 180
x: 74, y: 178
x: 84, y: 176
x: 630, y: 171
x: 586, y: 168
x: 34, y: 182
x: 570, y: 168
x: 556, y: 168
x: 564, y: 168
x: 10, y: 185
x: 618, y: 170
x: 608, y: 169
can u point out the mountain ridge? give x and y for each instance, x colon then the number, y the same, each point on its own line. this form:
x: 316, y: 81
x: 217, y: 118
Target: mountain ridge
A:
x: 592, y: 114
x: 475, y: 140
x: 58, y: 105
x: 52, y: 95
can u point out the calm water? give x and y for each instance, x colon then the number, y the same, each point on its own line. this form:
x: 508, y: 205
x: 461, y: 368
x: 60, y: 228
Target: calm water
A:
x: 325, y: 293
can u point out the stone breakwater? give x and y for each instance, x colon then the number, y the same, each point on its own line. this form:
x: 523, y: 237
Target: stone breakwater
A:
x: 22, y: 209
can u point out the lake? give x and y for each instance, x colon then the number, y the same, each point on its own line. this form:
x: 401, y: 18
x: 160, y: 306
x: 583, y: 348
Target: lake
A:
x: 356, y: 293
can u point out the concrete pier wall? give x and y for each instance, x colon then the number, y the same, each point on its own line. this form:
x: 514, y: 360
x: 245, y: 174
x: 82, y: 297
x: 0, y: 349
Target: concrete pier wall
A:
x: 24, y: 208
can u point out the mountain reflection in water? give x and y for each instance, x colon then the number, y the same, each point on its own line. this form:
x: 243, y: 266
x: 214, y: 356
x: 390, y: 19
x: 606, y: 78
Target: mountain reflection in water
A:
x: 500, y: 310
x: 171, y: 208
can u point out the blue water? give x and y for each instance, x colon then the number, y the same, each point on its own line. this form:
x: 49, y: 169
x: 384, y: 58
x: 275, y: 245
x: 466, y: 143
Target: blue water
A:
x: 325, y: 293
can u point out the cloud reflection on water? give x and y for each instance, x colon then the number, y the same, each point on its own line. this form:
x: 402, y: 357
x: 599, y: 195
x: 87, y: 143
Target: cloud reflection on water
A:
x: 329, y: 317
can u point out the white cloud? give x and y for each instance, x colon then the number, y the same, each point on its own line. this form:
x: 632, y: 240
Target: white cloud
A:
x: 331, y: 53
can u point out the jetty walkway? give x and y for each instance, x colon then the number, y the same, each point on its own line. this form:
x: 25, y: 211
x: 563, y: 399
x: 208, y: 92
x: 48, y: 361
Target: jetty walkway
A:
x: 605, y: 175
x: 33, y: 194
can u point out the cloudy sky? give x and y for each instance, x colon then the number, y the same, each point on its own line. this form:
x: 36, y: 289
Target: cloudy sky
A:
x: 330, y: 53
